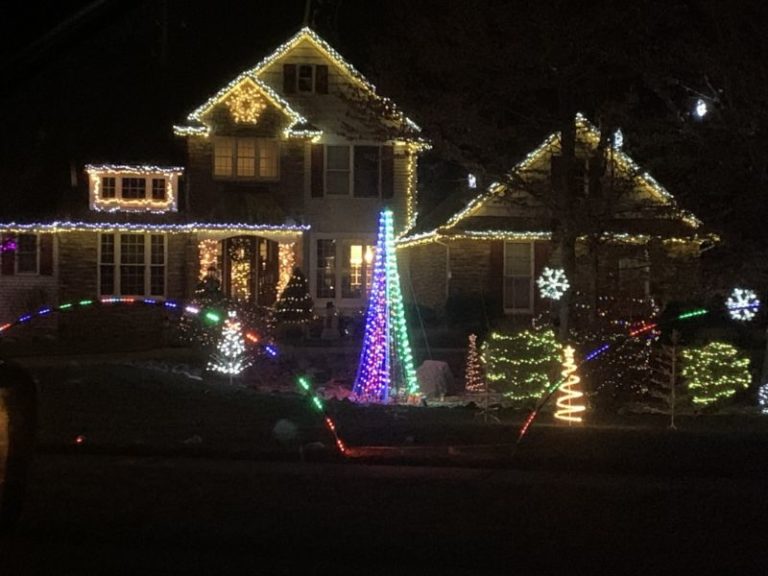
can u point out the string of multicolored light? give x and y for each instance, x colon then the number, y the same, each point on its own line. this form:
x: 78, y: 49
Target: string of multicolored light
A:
x: 735, y: 308
x: 210, y: 315
x: 317, y: 403
x: 204, y: 314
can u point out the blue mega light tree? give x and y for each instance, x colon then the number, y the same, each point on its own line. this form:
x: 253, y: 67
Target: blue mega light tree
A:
x: 386, y: 371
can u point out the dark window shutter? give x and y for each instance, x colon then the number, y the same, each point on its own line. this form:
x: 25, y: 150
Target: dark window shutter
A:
x: 387, y: 172
x: 46, y: 254
x: 289, y: 78
x: 321, y: 79
x: 8, y: 256
x: 317, y: 180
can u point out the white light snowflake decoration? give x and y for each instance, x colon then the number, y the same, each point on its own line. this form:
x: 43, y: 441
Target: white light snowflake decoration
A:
x: 762, y: 398
x: 742, y: 304
x: 552, y: 283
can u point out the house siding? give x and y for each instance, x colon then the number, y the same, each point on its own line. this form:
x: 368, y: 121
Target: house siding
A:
x: 140, y: 326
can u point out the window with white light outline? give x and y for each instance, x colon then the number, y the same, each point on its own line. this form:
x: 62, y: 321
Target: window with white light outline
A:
x: 132, y: 265
x: 128, y: 189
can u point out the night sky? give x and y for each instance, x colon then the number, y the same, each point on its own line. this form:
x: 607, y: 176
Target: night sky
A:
x: 91, y: 82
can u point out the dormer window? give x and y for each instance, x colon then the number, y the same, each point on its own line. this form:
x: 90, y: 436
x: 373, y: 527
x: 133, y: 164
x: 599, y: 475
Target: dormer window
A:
x: 305, y: 79
x: 133, y: 188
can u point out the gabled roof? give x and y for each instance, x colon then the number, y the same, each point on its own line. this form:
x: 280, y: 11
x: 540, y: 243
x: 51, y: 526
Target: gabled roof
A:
x: 195, y: 118
x: 459, y: 225
x: 298, y: 127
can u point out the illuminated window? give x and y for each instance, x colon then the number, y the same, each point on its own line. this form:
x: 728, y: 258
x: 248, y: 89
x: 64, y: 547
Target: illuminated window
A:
x: 357, y: 265
x: 246, y: 158
x: 223, y: 150
x: 26, y: 254
x: 132, y: 265
x: 518, y: 277
x: 269, y: 153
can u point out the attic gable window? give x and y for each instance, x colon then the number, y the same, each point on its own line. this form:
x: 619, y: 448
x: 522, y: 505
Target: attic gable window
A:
x: 305, y: 78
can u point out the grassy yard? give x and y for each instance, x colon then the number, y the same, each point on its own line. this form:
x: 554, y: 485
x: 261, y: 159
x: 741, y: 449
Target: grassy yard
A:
x: 143, y: 406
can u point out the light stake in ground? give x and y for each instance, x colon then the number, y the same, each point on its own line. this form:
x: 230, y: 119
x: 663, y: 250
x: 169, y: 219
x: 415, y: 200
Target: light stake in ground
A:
x: 386, y: 370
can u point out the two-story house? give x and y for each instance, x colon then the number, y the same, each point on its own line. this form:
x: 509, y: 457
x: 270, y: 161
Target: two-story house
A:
x: 288, y: 164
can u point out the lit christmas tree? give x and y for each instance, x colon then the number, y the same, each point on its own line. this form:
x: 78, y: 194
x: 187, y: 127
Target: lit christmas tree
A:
x: 295, y: 305
x: 714, y: 372
x: 569, y: 402
x: 230, y: 357
x: 473, y: 380
x: 386, y: 369
x: 521, y: 365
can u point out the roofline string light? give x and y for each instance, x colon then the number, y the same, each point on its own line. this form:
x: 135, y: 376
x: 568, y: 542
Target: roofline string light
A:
x: 306, y: 33
x: 441, y: 235
x: 551, y: 142
x: 186, y: 228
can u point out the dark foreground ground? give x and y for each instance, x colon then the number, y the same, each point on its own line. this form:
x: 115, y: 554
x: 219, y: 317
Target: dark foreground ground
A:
x: 98, y: 514
x: 181, y: 476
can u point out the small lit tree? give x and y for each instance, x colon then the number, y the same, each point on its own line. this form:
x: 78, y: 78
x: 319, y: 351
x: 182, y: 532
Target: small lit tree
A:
x: 714, y: 372
x: 295, y: 305
x: 473, y: 380
x: 521, y: 365
x: 230, y: 357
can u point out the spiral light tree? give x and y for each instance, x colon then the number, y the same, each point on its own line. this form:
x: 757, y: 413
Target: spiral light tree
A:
x: 569, y: 403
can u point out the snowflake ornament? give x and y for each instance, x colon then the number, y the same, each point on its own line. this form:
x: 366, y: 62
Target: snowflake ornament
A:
x: 742, y: 304
x: 552, y: 283
x: 762, y: 398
